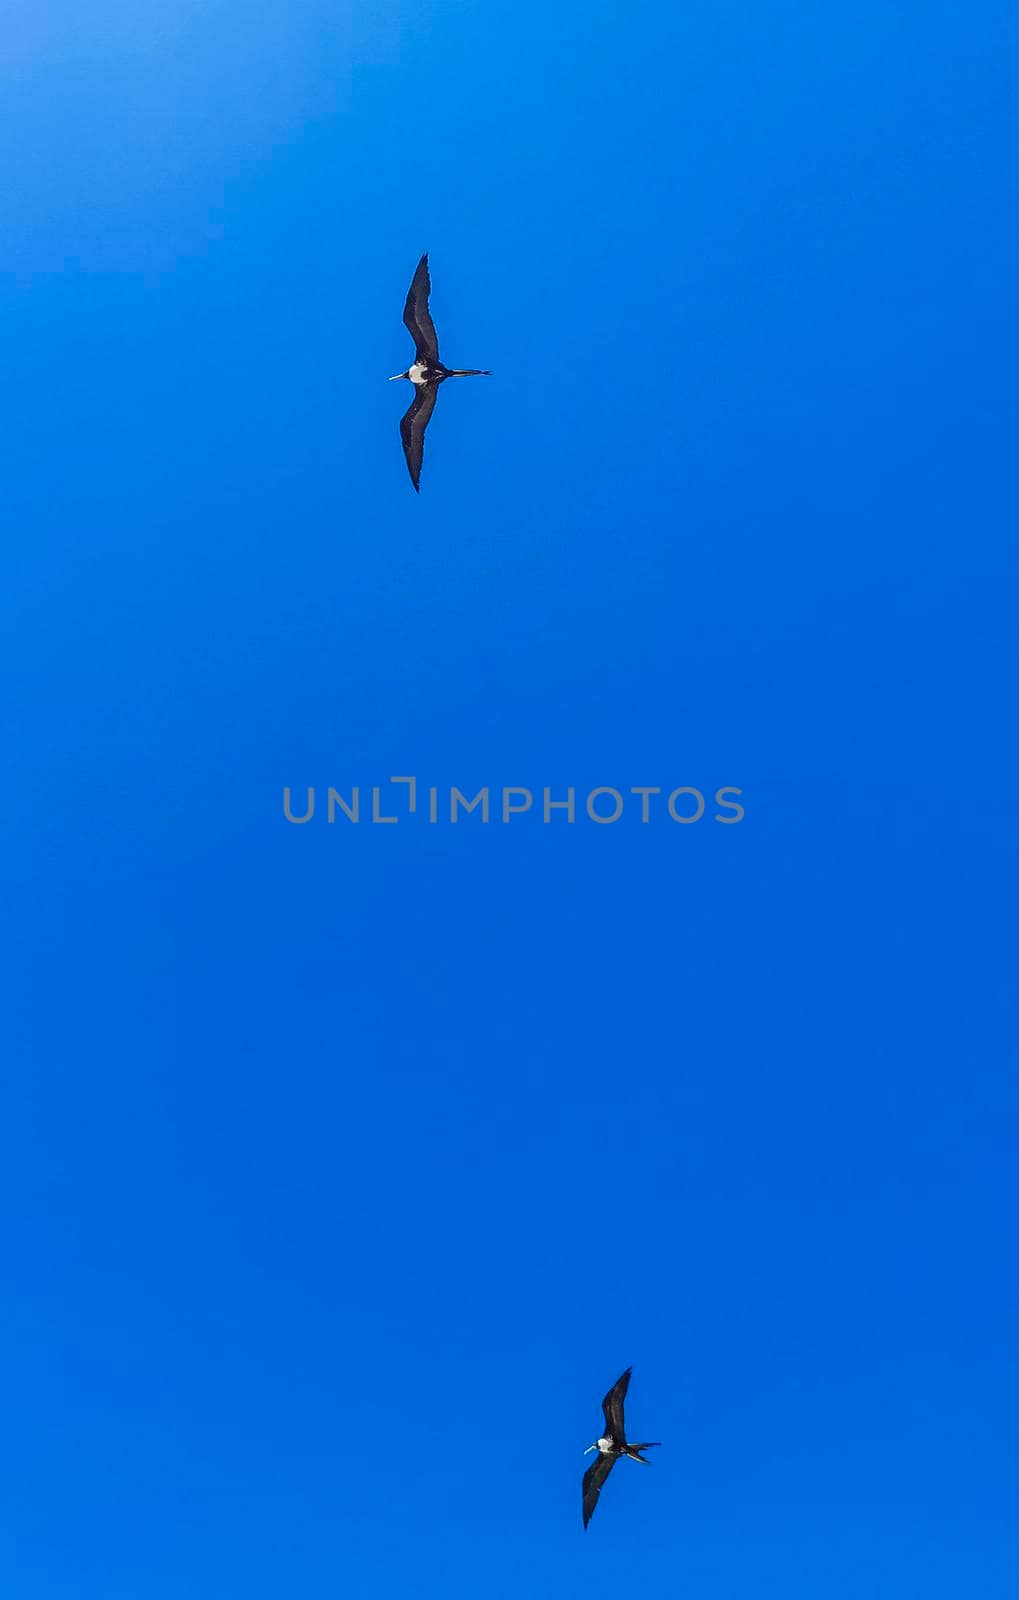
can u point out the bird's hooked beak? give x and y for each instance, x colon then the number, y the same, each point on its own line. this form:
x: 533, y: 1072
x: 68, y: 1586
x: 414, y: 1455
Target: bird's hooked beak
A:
x: 397, y: 375
x: 591, y: 1447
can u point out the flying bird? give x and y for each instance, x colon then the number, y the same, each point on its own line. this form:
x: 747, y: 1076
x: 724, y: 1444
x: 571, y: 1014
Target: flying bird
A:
x: 426, y: 373
x: 611, y: 1445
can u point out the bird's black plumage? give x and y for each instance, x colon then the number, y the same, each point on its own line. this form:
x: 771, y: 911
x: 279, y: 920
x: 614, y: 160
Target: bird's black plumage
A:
x: 418, y: 318
x: 594, y: 1477
x: 612, y: 1406
x: 412, y: 429
x: 427, y: 372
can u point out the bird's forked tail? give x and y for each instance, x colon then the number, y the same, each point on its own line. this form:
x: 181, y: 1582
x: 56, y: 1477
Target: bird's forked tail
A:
x: 634, y: 1451
x: 467, y: 372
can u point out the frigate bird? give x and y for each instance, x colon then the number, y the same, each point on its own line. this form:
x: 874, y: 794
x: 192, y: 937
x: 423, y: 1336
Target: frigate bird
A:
x: 426, y: 372
x: 611, y: 1445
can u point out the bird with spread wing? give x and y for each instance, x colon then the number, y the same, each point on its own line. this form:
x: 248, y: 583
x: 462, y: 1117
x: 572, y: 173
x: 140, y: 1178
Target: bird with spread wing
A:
x: 426, y: 371
x: 611, y: 1446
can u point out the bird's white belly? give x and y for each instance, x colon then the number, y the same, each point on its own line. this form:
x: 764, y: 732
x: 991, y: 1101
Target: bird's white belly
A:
x: 416, y: 373
x: 605, y: 1446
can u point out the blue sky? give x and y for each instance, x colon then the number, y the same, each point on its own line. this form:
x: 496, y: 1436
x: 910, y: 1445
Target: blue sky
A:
x: 344, y: 1168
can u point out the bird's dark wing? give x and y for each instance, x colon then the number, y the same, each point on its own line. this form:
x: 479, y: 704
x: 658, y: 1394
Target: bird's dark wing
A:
x: 418, y: 317
x: 612, y: 1406
x: 412, y: 429
x: 594, y: 1477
